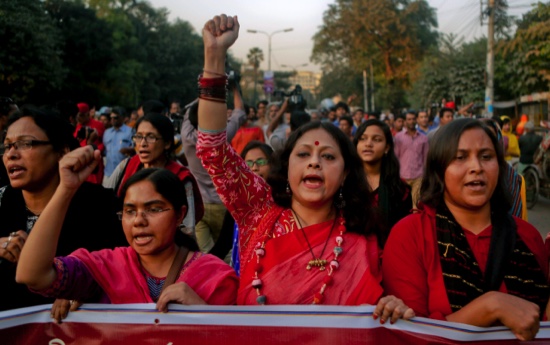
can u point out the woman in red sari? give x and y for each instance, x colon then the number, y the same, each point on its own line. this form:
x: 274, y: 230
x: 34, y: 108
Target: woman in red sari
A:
x: 463, y: 258
x: 303, y: 235
x: 153, y: 207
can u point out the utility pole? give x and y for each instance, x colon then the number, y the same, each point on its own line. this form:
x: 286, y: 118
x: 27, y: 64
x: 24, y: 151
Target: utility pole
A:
x: 372, y: 87
x: 490, y: 71
x: 365, y: 91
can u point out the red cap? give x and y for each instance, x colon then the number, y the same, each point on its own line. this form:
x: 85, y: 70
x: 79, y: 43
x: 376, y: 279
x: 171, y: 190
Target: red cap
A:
x: 450, y: 105
x: 83, y: 108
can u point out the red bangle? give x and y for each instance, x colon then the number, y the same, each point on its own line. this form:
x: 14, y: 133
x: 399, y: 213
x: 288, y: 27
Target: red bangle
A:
x: 212, y: 82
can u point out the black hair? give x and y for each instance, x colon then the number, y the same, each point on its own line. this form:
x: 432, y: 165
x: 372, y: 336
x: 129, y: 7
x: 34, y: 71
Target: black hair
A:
x: 153, y: 106
x: 194, y: 114
x: 58, y: 131
x: 120, y: 111
x: 254, y: 144
x: 359, y: 214
x: 497, y: 119
x: 342, y: 105
x: 167, y: 184
x: 444, y: 110
x: 348, y: 119
x: 163, y: 125
x: 6, y: 106
x: 443, y: 148
x: 410, y: 111
x: 298, y: 118
x: 264, y: 102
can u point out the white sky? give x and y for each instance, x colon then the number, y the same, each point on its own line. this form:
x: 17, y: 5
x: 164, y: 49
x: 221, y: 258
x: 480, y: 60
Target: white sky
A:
x: 305, y: 16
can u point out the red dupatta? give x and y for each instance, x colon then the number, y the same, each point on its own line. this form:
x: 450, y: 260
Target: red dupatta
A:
x: 134, y: 164
x: 285, y: 278
x: 120, y: 275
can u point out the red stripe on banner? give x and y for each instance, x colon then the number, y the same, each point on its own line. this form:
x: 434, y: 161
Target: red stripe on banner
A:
x: 105, y: 334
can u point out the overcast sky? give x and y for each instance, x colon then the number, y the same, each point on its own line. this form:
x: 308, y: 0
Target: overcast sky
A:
x: 305, y: 16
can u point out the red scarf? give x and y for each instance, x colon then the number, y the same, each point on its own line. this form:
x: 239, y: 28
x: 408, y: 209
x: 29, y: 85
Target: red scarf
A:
x: 134, y: 165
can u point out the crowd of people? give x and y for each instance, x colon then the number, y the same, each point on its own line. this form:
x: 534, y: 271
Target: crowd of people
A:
x: 417, y: 217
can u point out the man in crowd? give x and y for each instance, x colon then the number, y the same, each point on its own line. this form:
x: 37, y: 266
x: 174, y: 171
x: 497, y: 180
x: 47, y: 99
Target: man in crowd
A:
x: 528, y: 145
x: 90, y: 131
x: 398, y: 124
x: 411, y: 149
x: 423, y: 122
x: 346, y: 126
x: 117, y: 140
x: 445, y: 116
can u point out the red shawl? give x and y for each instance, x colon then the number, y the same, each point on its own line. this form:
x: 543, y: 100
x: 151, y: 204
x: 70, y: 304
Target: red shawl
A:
x: 285, y: 278
x: 134, y: 165
x: 120, y: 275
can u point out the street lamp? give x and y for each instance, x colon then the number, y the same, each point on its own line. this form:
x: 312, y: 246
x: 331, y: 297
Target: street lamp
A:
x: 269, y: 35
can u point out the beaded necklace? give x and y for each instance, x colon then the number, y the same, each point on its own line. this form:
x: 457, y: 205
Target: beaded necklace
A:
x: 318, y: 297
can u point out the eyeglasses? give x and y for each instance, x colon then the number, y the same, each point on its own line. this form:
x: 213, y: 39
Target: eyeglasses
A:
x: 131, y: 214
x: 260, y: 162
x: 23, y: 145
x: 149, y: 138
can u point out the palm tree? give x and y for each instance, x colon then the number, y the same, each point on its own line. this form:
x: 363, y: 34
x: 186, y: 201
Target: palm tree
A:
x: 255, y: 56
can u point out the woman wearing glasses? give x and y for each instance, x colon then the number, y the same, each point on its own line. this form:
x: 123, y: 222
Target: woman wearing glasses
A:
x: 34, y: 144
x: 161, y: 265
x: 154, y: 144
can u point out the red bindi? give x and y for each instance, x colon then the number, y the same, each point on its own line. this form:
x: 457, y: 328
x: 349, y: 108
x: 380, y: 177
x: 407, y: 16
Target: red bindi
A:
x: 316, y: 143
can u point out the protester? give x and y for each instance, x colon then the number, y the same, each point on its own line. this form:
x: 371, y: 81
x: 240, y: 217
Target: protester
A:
x: 528, y: 144
x: 445, y: 117
x: 89, y: 131
x: 34, y: 144
x: 161, y: 264
x: 7, y: 107
x: 247, y: 133
x: 346, y: 126
x: 283, y: 233
x: 398, y: 124
x: 117, y: 141
x: 512, y: 149
x: 411, y: 149
x: 374, y: 144
x: 154, y: 142
x: 462, y: 258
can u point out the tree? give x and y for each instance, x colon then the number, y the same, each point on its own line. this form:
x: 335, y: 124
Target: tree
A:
x: 30, y: 58
x: 393, y: 34
x: 528, y: 52
x: 255, y: 56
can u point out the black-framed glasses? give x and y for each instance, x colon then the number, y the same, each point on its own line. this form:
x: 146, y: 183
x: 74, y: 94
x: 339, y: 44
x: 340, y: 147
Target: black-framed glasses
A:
x: 149, y: 138
x: 131, y: 214
x: 260, y: 162
x: 23, y: 145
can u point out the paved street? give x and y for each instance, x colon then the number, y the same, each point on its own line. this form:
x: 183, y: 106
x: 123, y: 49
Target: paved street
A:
x: 539, y: 216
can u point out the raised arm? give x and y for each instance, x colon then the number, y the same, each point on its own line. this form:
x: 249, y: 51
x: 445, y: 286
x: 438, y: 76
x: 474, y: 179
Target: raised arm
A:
x: 35, y: 267
x: 277, y: 118
x: 219, y: 34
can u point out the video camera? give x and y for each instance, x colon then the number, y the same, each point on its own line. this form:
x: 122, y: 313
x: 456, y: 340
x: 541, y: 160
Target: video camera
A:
x: 295, y: 99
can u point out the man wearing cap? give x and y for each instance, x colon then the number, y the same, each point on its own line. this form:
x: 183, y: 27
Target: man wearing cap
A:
x: 528, y: 144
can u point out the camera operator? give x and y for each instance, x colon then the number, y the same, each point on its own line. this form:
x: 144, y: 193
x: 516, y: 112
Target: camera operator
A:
x: 279, y: 130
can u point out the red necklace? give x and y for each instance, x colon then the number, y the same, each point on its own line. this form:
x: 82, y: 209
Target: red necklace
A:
x: 318, y: 297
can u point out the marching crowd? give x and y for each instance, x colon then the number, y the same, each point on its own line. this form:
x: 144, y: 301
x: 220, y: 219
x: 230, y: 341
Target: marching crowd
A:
x: 417, y: 219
